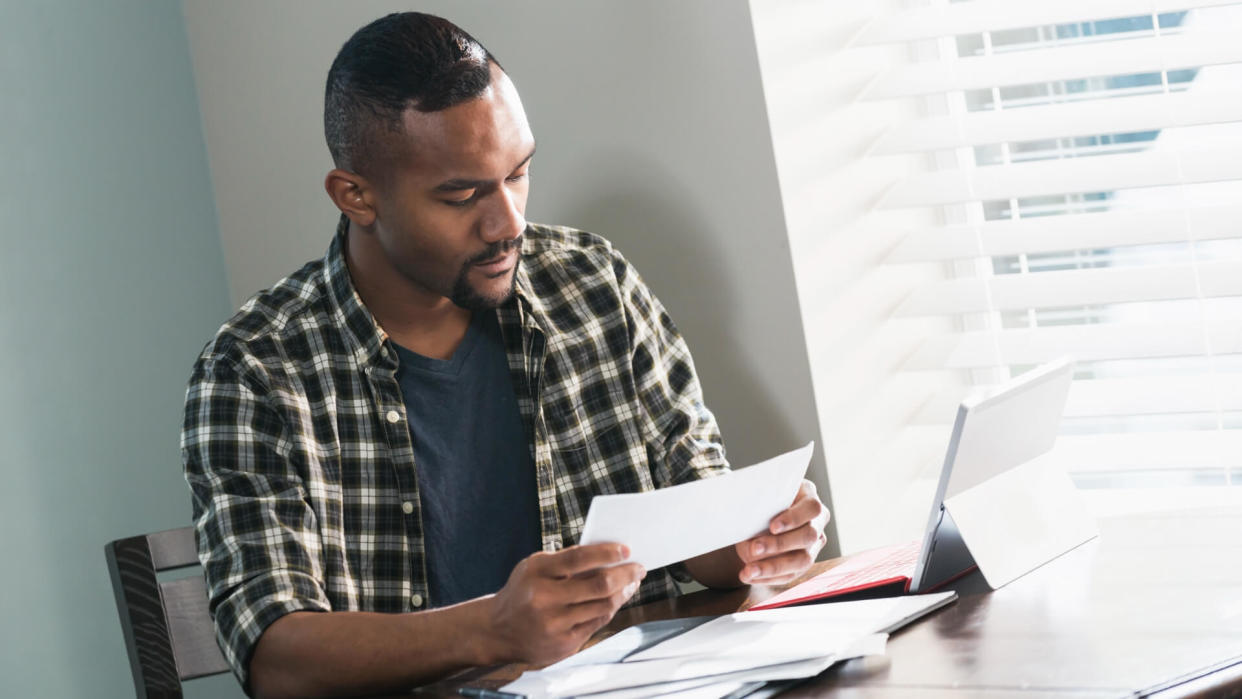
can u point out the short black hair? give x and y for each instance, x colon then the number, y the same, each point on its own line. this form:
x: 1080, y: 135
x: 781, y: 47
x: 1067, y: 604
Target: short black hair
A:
x: 402, y: 61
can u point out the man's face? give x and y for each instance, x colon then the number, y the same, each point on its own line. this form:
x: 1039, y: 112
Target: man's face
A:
x: 451, y: 208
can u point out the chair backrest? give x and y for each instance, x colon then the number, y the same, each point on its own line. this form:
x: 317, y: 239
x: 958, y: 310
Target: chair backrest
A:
x: 168, y: 630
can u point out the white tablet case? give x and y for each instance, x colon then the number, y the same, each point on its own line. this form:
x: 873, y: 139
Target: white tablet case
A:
x: 1021, y: 519
x: 1011, y: 506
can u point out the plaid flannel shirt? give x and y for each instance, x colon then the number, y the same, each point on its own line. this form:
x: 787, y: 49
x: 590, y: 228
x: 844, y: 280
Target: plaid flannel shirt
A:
x: 300, y: 460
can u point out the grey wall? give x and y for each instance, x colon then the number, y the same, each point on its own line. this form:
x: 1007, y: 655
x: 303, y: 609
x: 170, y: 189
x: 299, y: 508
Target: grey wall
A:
x: 652, y: 131
x: 112, y: 278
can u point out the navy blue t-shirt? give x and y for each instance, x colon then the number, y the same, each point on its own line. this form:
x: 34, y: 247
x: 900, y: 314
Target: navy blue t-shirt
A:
x: 476, y: 477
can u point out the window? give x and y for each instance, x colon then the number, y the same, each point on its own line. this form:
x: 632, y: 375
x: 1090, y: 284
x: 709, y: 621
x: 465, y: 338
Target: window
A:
x: 1086, y: 169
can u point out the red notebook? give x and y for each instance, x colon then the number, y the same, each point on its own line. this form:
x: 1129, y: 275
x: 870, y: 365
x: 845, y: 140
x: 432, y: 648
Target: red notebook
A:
x: 875, y: 573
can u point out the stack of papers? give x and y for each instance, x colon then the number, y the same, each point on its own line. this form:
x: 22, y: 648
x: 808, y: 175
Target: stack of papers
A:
x: 725, y: 655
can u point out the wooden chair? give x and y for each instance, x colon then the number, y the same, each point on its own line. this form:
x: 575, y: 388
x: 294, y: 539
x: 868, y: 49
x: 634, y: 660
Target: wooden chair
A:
x: 168, y: 631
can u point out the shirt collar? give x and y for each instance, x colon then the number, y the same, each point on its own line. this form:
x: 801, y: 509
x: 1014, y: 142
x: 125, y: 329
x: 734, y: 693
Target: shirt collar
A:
x: 529, y: 301
x: 365, y: 334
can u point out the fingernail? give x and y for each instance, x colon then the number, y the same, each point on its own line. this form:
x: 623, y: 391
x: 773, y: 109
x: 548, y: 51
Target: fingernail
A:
x: 752, y: 572
x: 758, y: 548
x: 642, y: 573
x: 778, y: 527
x: 630, y: 589
x: 623, y: 551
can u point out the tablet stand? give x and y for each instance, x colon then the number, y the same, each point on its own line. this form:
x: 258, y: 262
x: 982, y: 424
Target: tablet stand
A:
x: 1020, y: 519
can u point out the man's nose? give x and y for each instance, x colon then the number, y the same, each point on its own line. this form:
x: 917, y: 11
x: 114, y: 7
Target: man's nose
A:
x: 504, y: 219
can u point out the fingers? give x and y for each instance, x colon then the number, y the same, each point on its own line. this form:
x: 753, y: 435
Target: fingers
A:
x: 553, y: 601
x: 602, y: 583
x: 771, y: 560
x: 765, y: 545
x: 578, y: 559
x: 806, y: 508
x: 595, y: 612
x: 777, y: 569
x: 602, y: 608
x: 794, y: 538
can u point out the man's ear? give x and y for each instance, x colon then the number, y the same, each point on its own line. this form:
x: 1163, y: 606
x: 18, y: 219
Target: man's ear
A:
x: 353, y: 195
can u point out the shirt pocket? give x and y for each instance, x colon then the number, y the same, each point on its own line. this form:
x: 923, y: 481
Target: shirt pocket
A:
x: 591, y: 460
x: 565, y: 427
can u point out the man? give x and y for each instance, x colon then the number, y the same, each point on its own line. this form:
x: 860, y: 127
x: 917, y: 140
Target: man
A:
x: 391, y: 451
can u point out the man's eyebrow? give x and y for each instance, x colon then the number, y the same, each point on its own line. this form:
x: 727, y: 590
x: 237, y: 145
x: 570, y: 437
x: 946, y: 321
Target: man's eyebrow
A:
x: 527, y: 158
x: 459, y: 184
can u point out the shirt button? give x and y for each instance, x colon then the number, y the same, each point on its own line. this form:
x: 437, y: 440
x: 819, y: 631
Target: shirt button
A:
x: 393, y: 416
x: 416, y: 600
x: 407, y: 507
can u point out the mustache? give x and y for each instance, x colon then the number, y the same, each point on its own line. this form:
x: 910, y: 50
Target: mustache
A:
x: 497, y: 249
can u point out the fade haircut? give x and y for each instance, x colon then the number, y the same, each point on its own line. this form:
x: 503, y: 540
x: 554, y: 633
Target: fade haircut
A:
x: 407, y: 60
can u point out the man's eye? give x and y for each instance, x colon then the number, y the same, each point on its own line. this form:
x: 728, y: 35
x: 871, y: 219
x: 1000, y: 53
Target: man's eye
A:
x: 517, y: 178
x: 459, y: 203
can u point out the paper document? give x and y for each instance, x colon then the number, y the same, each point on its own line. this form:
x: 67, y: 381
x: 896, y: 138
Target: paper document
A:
x: 672, y: 524
x: 623, y: 644
x: 770, y: 645
x: 673, y: 672
x: 792, y: 633
x: 707, y: 688
x: 647, y: 678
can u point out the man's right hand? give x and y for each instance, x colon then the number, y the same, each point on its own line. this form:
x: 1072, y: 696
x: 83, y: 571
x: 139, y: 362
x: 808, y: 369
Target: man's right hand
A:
x: 550, y: 606
x: 553, y: 602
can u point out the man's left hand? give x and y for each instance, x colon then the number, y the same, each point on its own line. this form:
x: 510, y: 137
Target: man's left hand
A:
x: 789, y: 547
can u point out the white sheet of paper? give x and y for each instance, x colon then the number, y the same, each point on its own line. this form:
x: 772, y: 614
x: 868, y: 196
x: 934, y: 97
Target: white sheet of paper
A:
x: 710, y: 691
x: 672, y: 524
x: 706, y: 687
x: 777, y: 642
x: 669, y: 675
x: 790, y: 633
x: 618, y: 645
x: 593, y: 679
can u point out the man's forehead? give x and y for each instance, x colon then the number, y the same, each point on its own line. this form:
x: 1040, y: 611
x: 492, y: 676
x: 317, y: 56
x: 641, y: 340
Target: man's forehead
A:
x: 486, y: 134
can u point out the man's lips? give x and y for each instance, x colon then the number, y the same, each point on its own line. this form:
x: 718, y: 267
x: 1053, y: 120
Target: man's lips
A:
x: 497, y: 265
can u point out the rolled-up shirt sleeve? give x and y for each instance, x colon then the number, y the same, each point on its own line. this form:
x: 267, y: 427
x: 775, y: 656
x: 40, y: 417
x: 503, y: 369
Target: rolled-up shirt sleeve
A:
x: 258, y: 538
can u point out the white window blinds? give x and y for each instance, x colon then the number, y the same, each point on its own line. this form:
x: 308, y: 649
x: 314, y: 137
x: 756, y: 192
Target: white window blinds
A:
x: 1086, y: 167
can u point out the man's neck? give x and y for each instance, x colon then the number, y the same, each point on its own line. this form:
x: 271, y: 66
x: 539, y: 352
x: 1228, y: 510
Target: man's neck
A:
x: 414, y: 317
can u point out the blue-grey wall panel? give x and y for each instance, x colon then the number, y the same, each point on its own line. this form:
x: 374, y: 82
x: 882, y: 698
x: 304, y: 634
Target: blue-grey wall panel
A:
x: 111, y: 279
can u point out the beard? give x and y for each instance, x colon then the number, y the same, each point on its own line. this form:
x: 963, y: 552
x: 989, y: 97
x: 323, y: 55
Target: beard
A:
x: 466, y: 296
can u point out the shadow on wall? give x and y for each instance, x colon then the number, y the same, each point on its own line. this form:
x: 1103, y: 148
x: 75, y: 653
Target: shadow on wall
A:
x: 640, y: 207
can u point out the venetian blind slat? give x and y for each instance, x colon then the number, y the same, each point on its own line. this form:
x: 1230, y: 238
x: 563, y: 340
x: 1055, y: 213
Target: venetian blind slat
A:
x: 953, y: 19
x: 1123, y: 57
x: 1076, y: 118
x: 1045, y: 234
x: 1077, y: 287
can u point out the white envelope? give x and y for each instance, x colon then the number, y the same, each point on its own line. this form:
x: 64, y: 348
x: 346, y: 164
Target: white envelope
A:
x: 672, y: 524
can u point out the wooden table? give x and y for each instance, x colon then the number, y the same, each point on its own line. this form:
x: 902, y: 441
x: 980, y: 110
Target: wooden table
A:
x: 1151, y: 607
